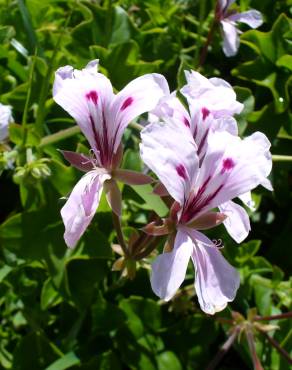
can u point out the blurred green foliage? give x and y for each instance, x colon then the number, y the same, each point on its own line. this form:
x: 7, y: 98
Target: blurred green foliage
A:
x: 65, y: 309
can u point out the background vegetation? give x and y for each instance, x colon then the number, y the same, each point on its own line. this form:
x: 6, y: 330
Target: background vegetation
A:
x: 63, y: 309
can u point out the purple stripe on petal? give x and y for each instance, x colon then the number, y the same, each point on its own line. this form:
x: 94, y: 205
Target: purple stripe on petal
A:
x: 127, y: 103
x: 205, y: 113
x: 181, y: 171
x: 186, y: 122
x: 92, y: 96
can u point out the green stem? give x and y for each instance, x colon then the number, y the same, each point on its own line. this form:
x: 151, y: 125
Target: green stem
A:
x: 252, y: 349
x: 200, y: 31
x: 286, y: 315
x: 26, y: 106
x: 276, y: 345
x: 58, y: 136
x: 281, y: 158
x: 223, y: 350
x: 148, y: 249
x: 120, y: 236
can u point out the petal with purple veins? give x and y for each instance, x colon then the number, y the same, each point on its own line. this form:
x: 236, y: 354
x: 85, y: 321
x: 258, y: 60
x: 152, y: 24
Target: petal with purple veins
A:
x: 171, y: 154
x: 216, y: 281
x: 169, y: 269
x: 81, y: 206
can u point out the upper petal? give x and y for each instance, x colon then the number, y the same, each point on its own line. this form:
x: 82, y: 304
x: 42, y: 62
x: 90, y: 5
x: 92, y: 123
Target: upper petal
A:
x: 81, y: 206
x: 139, y: 96
x: 252, y: 17
x: 169, y: 269
x: 238, y: 166
x: 216, y: 281
x: 237, y: 222
x: 169, y: 150
x: 214, y: 94
x: 86, y: 95
x: 230, y: 168
x: 230, y: 38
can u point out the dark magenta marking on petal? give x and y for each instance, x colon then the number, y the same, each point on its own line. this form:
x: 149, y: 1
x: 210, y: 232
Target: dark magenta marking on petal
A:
x: 228, y: 164
x: 92, y: 96
x: 205, y: 113
x: 181, y: 171
x: 127, y: 103
x: 186, y: 122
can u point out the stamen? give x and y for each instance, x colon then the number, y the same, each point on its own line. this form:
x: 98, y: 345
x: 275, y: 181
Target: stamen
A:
x: 218, y: 243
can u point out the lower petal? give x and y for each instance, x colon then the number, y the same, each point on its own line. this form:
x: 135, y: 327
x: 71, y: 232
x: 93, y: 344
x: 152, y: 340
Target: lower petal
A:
x: 237, y: 222
x: 216, y: 280
x: 169, y: 269
x: 230, y: 38
x: 81, y: 206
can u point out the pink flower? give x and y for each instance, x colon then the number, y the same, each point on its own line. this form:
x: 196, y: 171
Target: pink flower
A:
x: 212, y: 104
x: 230, y: 167
x: 229, y: 19
x: 102, y: 117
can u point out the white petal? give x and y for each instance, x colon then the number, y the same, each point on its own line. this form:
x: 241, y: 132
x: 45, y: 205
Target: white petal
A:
x: 169, y: 150
x: 216, y: 280
x: 215, y: 94
x: 235, y: 166
x: 139, y: 96
x: 237, y: 222
x: 81, y: 206
x: 86, y: 95
x: 171, y: 107
x: 252, y: 18
x: 230, y: 38
x: 5, y: 119
x: 247, y: 200
x: 169, y: 269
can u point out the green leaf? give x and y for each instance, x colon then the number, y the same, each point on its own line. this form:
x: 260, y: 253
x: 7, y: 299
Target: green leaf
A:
x: 49, y: 295
x: 4, y: 271
x: 168, y: 361
x: 28, y: 25
x: 84, y: 275
x: 6, y: 33
x: 44, y: 352
x: 153, y: 202
x: 270, y: 44
x: 16, y: 133
x: 285, y: 61
x: 65, y: 362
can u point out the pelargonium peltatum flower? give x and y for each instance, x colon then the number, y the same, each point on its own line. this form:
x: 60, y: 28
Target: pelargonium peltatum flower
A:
x: 5, y: 119
x: 212, y: 104
x: 102, y: 117
x: 228, y: 20
x: 230, y: 167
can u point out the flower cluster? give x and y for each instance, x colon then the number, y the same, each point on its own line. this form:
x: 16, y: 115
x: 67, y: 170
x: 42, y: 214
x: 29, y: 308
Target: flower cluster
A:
x: 196, y: 154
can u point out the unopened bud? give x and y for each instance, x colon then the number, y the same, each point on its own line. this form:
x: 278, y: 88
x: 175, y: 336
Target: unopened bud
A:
x: 36, y: 173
